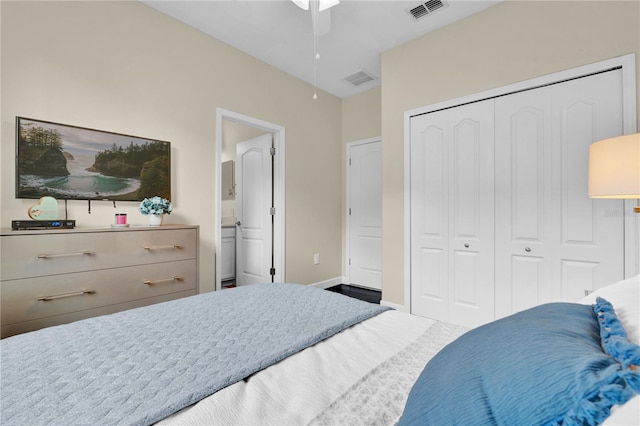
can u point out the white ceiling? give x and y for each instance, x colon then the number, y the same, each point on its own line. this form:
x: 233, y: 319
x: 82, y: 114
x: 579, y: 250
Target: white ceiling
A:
x: 279, y: 33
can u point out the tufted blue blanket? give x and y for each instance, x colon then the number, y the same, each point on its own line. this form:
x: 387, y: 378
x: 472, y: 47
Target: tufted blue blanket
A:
x: 138, y: 366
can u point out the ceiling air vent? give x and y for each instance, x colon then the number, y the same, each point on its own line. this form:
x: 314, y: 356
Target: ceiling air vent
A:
x: 359, y: 77
x: 424, y: 9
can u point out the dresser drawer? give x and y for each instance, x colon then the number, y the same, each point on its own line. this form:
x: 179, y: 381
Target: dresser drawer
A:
x: 22, y: 327
x: 42, y: 297
x: 38, y: 255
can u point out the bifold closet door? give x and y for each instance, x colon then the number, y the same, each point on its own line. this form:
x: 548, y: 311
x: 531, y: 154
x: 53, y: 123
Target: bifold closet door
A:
x: 526, y: 209
x: 452, y: 209
x: 552, y: 241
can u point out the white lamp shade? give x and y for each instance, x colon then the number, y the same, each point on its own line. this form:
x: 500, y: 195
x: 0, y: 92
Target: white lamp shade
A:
x: 614, y: 167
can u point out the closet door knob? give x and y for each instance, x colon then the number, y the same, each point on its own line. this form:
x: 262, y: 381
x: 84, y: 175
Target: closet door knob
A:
x: 527, y: 249
x: 466, y: 245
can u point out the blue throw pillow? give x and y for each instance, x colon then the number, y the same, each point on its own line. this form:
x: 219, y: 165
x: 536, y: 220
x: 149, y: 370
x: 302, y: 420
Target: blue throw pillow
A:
x: 554, y: 364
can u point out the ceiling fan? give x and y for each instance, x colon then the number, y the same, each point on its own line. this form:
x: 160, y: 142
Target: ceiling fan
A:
x: 321, y: 21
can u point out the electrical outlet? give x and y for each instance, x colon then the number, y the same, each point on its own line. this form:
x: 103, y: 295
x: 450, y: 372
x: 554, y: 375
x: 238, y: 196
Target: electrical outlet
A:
x: 316, y: 259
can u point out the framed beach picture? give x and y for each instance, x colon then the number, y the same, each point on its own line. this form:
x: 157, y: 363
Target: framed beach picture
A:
x: 77, y: 163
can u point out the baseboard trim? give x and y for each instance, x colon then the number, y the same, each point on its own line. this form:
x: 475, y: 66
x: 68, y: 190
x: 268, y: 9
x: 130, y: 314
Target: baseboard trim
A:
x: 397, y: 307
x: 328, y: 283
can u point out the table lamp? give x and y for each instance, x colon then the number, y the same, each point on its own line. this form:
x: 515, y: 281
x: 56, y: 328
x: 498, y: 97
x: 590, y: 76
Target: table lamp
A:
x: 614, y: 168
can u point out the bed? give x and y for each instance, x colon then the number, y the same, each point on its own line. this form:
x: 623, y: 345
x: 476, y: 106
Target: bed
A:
x: 291, y: 354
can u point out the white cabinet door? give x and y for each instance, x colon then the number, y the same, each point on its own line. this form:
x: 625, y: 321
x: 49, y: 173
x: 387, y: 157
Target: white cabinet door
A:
x: 365, y: 218
x: 452, y: 209
x: 552, y: 241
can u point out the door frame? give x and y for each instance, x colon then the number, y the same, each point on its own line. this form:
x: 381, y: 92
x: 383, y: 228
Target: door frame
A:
x: 627, y: 63
x: 278, y: 189
x: 347, y: 198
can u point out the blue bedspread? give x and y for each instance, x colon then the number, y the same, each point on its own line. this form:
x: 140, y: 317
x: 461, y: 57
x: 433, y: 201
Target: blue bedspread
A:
x: 141, y: 365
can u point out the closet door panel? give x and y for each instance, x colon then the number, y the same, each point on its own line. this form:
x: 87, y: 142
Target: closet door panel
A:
x: 523, y: 200
x: 591, y: 238
x: 472, y: 208
x: 529, y: 272
x: 465, y: 183
x: 527, y: 165
x: 467, y: 287
x: 429, y: 216
x: 432, y: 181
x: 575, y: 276
x: 579, y: 124
x: 433, y: 265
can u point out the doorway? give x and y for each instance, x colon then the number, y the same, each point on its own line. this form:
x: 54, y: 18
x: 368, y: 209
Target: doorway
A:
x: 276, y: 245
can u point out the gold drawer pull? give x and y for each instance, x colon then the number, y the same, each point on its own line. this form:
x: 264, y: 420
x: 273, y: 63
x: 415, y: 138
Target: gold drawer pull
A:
x: 73, y: 253
x: 163, y: 280
x: 168, y: 246
x: 62, y: 296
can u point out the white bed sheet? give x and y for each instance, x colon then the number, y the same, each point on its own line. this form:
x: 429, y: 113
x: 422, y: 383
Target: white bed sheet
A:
x: 625, y: 298
x: 299, y: 389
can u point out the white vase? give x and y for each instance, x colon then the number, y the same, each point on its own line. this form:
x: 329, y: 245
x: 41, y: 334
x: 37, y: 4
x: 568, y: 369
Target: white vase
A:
x: 155, y: 219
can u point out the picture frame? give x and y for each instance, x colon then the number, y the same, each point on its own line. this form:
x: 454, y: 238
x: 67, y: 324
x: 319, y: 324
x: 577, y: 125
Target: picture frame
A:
x: 78, y: 163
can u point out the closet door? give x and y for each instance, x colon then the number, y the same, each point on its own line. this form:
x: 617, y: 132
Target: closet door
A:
x: 525, y: 206
x: 430, y: 215
x: 553, y: 243
x: 452, y: 209
x: 590, y: 234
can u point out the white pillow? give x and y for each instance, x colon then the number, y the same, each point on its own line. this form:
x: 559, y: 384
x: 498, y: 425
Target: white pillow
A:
x: 625, y: 298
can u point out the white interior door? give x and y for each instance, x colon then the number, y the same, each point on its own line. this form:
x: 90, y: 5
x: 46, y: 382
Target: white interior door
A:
x: 254, y: 200
x: 365, y: 215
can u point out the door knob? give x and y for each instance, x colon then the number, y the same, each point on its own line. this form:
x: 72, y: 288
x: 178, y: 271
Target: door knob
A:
x: 527, y: 249
x: 466, y: 245
x: 238, y: 223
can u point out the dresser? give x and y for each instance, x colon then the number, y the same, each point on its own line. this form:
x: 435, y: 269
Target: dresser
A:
x: 53, y: 277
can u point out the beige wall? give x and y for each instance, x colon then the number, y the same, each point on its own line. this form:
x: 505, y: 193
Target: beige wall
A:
x: 508, y: 43
x: 124, y: 67
x: 361, y: 116
x: 360, y: 120
x: 232, y: 134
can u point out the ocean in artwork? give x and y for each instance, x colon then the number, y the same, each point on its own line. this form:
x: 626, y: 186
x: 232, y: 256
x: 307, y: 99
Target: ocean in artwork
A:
x: 81, y: 183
